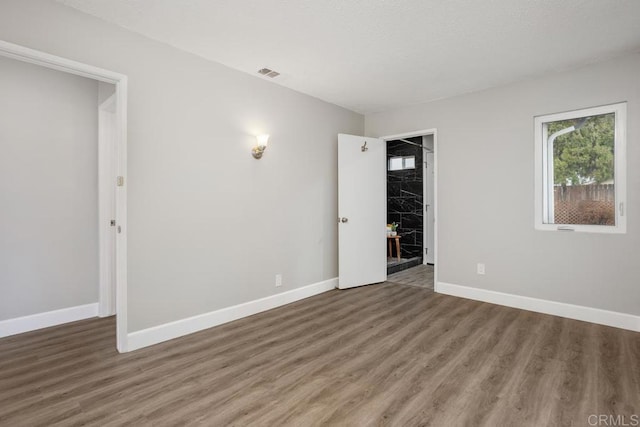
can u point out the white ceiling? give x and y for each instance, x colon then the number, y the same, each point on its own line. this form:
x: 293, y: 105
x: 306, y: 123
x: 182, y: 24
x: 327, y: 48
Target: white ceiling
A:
x: 375, y: 55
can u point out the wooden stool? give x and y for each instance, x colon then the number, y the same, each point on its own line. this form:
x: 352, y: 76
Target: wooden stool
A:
x: 397, y: 238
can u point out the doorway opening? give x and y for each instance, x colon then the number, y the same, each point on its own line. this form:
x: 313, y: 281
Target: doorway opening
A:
x: 411, y: 207
x: 111, y: 195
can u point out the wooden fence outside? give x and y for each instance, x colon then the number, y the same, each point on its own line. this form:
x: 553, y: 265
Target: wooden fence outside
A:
x: 585, y: 204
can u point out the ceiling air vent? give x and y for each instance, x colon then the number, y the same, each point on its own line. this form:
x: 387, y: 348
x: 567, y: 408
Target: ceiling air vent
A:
x: 268, y: 73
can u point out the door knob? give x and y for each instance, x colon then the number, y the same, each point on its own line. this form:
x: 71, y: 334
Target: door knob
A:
x: 344, y: 219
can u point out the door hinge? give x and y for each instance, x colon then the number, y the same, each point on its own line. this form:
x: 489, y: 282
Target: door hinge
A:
x: 426, y: 251
x: 113, y: 222
x: 120, y: 181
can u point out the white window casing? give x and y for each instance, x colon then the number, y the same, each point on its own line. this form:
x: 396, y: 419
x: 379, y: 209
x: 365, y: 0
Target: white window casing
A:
x: 544, y: 169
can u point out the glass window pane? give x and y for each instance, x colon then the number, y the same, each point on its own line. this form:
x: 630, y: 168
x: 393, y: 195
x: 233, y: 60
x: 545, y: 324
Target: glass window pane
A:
x: 410, y: 162
x: 582, y: 174
x: 395, y: 163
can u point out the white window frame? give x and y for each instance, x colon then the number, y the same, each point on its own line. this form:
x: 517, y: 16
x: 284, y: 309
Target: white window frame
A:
x: 403, y: 161
x: 544, y: 160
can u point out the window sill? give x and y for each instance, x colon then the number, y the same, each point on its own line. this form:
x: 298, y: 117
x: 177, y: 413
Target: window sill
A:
x: 571, y: 228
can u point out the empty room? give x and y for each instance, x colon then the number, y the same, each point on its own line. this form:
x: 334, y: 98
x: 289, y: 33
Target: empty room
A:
x: 300, y: 213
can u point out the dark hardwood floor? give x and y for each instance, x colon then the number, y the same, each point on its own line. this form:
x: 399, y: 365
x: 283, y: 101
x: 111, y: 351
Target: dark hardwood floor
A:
x: 378, y: 355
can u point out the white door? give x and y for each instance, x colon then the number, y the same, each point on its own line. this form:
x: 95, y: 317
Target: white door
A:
x: 429, y: 220
x: 362, y: 211
x: 107, y: 205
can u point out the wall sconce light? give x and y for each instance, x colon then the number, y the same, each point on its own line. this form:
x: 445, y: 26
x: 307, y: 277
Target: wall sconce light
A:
x: 257, y: 151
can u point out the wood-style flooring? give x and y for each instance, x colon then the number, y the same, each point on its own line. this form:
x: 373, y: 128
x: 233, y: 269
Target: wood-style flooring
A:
x: 377, y: 355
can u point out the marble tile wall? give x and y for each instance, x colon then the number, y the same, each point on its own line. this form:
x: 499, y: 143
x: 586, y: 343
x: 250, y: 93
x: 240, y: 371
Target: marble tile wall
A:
x: 405, y: 198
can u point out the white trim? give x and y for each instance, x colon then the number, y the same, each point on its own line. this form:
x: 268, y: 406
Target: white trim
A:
x: 570, y: 311
x: 179, y: 328
x: 425, y: 237
x: 47, y: 60
x: 32, y: 322
x: 121, y: 218
x: 425, y: 218
x: 434, y: 132
x: 542, y: 154
x: 436, y: 206
x: 43, y: 59
x: 412, y: 134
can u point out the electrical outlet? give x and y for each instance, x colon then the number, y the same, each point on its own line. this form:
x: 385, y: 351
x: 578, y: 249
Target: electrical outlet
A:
x: 278, y: 280
x: 480, y: 268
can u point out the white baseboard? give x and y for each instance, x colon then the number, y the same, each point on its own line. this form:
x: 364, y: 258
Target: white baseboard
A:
x: 178, y: 328
x: 570, y: 311
x: 19, y: 325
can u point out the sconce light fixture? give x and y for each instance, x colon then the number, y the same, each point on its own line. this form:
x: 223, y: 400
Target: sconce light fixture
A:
x: 257, y: 151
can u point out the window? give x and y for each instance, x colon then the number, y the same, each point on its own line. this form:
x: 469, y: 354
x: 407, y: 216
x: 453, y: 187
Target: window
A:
x: 401, y: 163
x: 580, y: 170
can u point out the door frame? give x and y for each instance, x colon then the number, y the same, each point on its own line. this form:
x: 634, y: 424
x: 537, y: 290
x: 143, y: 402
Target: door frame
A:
x: 428, y: 212
x: 47, y: 60
x: 424, y: 132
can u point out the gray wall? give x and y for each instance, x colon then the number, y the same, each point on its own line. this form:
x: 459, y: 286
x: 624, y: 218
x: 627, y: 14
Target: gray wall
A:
x: 209, y: 226
x: 105, y: 90
x: 486, y: 181
x: 48, y: 190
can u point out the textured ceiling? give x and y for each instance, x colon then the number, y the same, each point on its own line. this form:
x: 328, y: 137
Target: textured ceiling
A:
x: 375, y: 55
